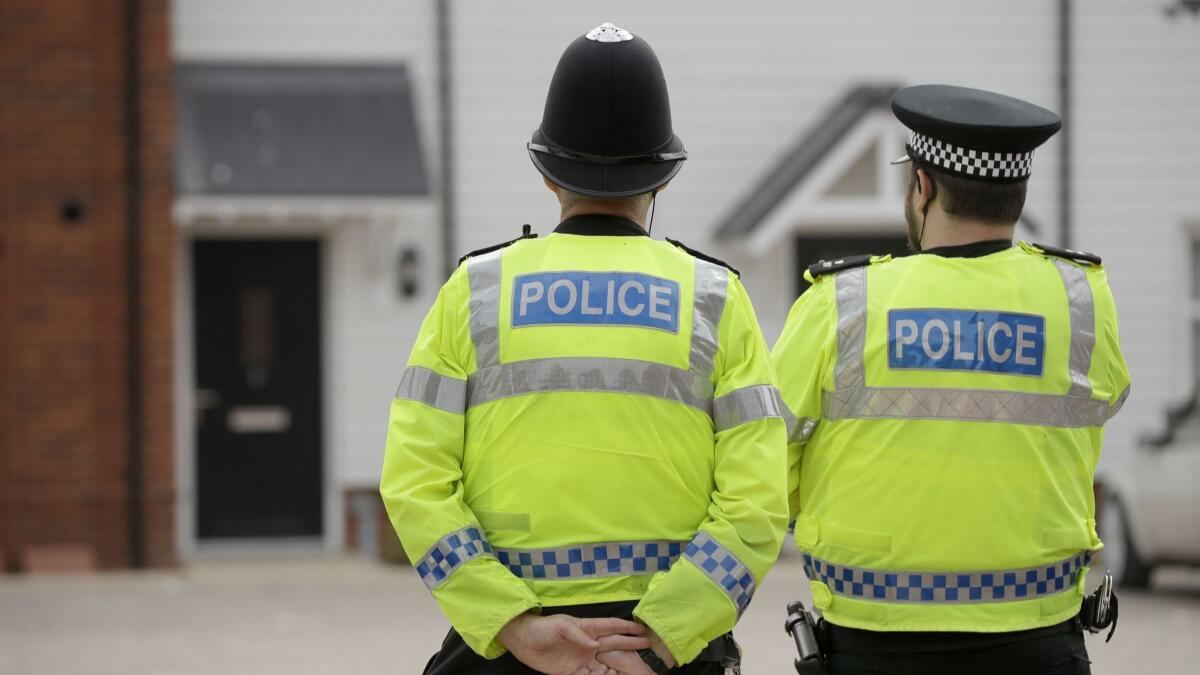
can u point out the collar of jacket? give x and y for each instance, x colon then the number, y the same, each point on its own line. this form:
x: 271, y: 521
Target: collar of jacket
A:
x: 600, y: 225
x: 975, y: 249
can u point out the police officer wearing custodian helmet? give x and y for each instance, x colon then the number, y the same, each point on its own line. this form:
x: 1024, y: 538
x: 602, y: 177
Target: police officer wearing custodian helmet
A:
x: 952, y: 406
x: 586, y: 455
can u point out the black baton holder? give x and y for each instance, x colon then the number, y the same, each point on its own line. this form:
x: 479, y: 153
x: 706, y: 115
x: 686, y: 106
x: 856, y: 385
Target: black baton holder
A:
x: 801, y: 627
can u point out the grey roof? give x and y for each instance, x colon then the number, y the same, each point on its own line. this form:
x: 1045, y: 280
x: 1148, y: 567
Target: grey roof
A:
x: 802, y: 158
x: 255, y: 129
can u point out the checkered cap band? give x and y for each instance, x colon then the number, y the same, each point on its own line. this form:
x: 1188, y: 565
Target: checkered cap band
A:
x: 723, y: 568
x: 450, y: 553
x: 947, y: 587
x: 968, y: 162
x: 605, y: 559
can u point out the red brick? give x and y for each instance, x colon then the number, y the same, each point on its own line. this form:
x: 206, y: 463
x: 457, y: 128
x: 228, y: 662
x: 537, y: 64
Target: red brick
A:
x: 63, y: 305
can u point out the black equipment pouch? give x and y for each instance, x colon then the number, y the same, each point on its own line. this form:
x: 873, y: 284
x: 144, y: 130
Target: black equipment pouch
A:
x: 1099, y: 610
x: 803, y: 629
x: 725, y: 651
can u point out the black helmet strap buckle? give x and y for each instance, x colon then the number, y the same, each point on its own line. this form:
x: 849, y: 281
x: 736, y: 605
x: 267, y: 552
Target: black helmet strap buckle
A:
x: 603, y: 159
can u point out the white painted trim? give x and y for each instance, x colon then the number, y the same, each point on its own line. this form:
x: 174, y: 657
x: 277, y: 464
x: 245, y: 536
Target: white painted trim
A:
x: 189, y: 548
x: 280, y: 210
x: 808, y: 208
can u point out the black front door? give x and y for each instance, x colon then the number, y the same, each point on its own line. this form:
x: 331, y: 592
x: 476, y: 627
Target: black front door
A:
x: 258, y: 399
x: 813, y: 249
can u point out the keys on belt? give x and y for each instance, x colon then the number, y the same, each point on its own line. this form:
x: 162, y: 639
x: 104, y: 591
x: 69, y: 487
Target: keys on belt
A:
x: 1099, y: 610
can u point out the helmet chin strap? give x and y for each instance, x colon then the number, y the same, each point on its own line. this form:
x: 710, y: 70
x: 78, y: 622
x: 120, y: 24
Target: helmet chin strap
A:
x: 653, y: 201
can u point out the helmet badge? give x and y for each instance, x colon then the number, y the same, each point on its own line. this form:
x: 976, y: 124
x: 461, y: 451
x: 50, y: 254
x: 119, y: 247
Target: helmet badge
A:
x: 606, y: 32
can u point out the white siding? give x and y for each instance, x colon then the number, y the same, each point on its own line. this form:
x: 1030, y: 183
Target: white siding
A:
x: 1137, y: 168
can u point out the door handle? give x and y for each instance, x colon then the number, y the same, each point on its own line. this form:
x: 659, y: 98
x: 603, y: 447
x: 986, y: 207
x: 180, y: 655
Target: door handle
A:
x: 207, y: 398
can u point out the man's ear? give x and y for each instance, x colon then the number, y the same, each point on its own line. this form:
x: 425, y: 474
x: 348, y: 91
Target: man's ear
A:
x: 550, y: 185
x: 924, y: 189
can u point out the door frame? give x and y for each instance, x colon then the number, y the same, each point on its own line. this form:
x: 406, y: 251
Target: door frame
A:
x: 187, y: 543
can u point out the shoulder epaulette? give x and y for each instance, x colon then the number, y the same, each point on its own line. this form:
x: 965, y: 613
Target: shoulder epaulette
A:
x: 1069, y: 254
x: 845, y: 263
x: 526, y: 233
x: 703, y: 256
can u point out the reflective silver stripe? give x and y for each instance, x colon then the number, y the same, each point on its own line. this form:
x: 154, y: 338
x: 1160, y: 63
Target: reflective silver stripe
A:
x: 583, y: 561
x: 483, y: 272
x: 708, y: 302
x: 439, y: 391
x: 627, y: 376
x: 723, y: 568
x: 947, y: 587
x: 802, y: 430
x: 1116, y: 407
x: 748, y: 403
x: 849, y: 373
x: 1083, y: 326
x: 970, y: 405
x: 450, y: 553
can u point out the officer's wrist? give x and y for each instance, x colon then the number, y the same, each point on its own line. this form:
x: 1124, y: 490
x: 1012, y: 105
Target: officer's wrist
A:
x: 512, y: 635
x: 660, y: 648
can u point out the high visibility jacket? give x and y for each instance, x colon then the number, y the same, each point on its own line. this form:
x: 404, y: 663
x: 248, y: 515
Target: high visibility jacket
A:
x: 952, y: 412
x: 589, y: 419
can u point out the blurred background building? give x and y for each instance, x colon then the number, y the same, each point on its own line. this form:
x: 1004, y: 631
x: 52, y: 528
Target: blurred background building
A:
x: 243, y: 294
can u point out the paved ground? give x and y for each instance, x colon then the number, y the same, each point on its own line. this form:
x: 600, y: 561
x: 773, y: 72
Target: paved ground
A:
x: 345, y: 615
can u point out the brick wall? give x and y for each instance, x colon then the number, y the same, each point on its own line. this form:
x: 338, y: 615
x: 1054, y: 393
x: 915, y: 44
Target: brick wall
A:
x: 63, y: 309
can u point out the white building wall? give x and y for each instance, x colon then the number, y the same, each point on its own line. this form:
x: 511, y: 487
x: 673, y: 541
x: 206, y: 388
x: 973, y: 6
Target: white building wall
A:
x: 1137, y: 202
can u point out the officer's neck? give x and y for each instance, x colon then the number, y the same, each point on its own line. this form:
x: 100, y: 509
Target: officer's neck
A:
x: 586, y: 207
x: 942, y: 230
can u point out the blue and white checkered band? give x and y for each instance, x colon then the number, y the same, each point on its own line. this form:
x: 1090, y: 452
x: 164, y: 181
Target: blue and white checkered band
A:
x: 450, y: 553
x: 968, y: 162
x: 605, y: 559
x: 723, y: 567
x: 947, y: 587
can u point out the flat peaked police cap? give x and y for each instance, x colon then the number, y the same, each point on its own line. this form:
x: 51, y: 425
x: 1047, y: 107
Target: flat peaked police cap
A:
x: 606, y: 129
x: 971, y: 132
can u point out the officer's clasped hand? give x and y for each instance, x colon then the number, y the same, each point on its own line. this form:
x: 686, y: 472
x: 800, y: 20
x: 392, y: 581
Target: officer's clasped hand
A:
x: 564, y: 645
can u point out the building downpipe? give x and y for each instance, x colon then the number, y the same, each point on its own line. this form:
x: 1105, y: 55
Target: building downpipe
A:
x: 133, y: 280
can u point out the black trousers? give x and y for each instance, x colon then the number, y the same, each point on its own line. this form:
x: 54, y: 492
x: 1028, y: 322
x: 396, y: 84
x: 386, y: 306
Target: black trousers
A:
x: 1057, y: 650
x: 456, y: 658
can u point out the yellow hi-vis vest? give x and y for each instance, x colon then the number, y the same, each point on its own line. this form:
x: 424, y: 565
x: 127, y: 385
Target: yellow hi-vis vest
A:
x: 589, y: 419
x: 952, y: 416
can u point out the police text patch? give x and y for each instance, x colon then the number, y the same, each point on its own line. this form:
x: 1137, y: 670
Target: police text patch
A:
x: 964, y: 339
x: 589, y: 298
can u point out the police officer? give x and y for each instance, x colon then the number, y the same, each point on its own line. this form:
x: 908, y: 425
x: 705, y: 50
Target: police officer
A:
x: 951, y: 407
x: 586, y: 453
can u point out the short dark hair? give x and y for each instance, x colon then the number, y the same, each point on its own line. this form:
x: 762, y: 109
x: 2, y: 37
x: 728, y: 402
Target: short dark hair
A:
x: 999, y: 203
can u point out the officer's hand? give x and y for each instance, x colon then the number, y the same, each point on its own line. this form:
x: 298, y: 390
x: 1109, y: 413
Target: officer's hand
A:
x: 561, y: 644
x: 629, y: 663
x: 625, y: 663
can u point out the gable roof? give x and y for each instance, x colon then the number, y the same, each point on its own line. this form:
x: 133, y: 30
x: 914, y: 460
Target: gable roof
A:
x: 795, y: 164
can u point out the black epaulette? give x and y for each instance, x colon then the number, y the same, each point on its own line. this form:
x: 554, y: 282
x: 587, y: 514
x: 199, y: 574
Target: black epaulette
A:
x: 704, y: 256
x: 1070, y: 254
x: 526, y: 233
x: 830, y: 266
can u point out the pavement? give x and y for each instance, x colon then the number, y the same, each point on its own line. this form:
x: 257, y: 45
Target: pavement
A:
x: 340, y: 615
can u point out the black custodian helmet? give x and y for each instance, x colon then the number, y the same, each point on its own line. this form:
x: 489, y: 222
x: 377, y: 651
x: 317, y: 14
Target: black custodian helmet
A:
x: 606, y: 130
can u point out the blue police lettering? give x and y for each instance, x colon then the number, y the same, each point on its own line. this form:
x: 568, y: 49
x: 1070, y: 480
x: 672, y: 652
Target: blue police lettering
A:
x: 954, y: 339
x: 595, y: 298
